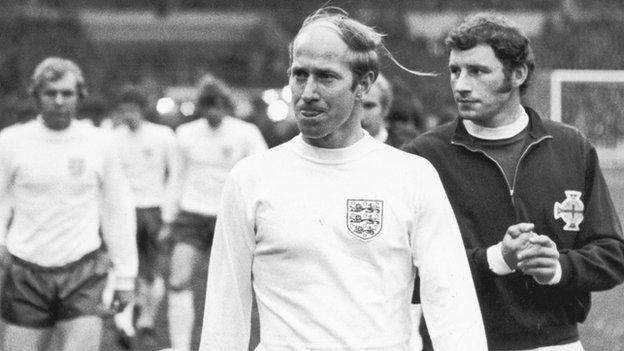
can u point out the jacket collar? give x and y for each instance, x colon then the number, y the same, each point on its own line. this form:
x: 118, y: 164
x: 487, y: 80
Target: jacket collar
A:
x: 536, y: 129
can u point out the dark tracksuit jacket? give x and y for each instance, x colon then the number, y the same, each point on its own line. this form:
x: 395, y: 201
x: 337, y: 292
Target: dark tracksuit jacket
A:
x: 559, y: 163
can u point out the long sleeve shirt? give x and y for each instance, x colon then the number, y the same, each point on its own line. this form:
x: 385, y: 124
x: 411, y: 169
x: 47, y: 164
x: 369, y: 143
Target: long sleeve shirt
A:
x: 149, y: 157
x: 206, y: 157
x: 62, y: 185
x: 329, y: 240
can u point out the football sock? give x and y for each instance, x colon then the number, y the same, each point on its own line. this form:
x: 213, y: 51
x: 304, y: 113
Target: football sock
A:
x: 153, y: 295
x: 123, y: 320
x: 181, y: 315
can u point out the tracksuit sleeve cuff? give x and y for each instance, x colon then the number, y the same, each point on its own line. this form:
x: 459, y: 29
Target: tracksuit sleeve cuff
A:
x: 496, y: 262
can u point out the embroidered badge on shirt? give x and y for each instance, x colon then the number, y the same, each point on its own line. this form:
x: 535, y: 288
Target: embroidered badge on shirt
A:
x: 570, y: 210
x: 76, y: 166
x: 364, y: 218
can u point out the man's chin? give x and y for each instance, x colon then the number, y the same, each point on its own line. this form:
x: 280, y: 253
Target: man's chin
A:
x: 57, y: 122
x: 467, y: 114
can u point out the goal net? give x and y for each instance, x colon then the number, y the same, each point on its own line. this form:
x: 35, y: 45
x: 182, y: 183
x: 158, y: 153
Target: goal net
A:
x: 592, y: 101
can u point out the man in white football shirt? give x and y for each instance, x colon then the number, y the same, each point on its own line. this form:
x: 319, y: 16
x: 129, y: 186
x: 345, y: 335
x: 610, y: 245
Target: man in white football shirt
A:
x: 209, y: 147
x: 148, y: 156
x: 64, y: 181
x: 329, y: 228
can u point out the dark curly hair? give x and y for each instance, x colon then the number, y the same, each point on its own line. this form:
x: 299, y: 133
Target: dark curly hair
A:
x: 213, y: 92
x: 511, y: 46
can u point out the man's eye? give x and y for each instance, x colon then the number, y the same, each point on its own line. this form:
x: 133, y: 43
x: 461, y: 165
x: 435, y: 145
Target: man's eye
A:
x: 476, y: 71
x: 454, y: 71
x: 299, y: 75
x: 68, y: 93
x: 368, y: 105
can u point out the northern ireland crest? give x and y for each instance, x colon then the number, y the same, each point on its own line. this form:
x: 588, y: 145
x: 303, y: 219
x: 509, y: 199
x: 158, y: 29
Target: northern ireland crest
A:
x: 570, y: 210
x: 364, y: 218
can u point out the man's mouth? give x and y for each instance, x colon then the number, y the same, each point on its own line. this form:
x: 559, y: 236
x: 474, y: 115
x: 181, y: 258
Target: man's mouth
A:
x: 310, y: 113
x: 466, y: 101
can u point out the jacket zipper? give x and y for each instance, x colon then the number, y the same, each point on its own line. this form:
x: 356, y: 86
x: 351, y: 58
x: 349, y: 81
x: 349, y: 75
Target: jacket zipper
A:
x: 526, y: 151
x: 510, y: 187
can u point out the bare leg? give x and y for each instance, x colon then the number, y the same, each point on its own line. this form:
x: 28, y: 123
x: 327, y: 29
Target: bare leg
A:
x: 181, y: 311
x: 83, y: 333
x: 18, y: 338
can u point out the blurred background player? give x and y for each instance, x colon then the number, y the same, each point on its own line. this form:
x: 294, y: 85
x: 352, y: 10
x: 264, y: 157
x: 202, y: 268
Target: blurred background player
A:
x: 376, y: 107
x: 148, y: 156
x: 209, y: 147
x: 63, y: 179
x: 405, y: 118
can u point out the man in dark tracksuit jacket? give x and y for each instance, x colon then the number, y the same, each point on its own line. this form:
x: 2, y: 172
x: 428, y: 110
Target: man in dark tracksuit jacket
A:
x: 531, y: 180
x: 558, y: 160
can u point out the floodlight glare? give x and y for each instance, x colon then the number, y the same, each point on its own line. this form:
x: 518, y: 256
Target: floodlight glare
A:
x: 165, y: 105
x: 287, y: 94
x: 277, y: 111
x: 187, y: 108
x: 269, y: 96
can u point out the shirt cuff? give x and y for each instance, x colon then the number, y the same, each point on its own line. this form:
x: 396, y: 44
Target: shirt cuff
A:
x: 557, y: 277
x: 496, y: 262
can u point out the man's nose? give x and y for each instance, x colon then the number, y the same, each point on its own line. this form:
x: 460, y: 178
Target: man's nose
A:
x: 59, y: 99
x: 309, y: 92
x: 462, y: 83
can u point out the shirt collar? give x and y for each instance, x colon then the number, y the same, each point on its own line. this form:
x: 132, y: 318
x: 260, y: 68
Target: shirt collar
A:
x: 498, y: 133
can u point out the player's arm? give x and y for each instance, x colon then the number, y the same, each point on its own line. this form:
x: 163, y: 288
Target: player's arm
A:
x: 174, y: 161
x: 5, y: 204
x: 597, y: 261
x: 227, y: 314
x: 497, y: 260
x: 175, y: 185
x: 118, y: 221
x: 447, y: 291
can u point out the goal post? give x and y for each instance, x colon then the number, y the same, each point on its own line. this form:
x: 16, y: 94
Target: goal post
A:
x: 593, y: 102
x: 560, y: 76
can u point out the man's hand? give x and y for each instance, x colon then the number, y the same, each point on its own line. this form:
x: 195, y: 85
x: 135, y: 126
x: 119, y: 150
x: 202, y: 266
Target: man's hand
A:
x: 121, y: 298
x: 516, y: 239
x: 540, y: 259
x: 5, y: 257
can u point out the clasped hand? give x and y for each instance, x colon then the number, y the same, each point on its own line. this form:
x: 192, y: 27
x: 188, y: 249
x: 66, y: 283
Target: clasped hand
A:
x: 533, y: 254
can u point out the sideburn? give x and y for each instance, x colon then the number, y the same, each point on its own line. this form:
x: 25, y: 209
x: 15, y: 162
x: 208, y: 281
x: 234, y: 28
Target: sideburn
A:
x: 506, y: 87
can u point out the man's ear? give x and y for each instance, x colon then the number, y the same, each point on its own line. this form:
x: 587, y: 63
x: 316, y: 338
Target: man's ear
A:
x: 364, y: 84
x: 519, y: 75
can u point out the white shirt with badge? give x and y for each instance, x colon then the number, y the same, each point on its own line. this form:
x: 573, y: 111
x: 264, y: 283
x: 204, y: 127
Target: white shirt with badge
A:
x: 62, y: 185
x: 206, y: 157
x: 332, y: 239
x: 148, y: 155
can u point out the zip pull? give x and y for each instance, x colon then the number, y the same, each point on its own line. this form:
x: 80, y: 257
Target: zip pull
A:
x: 511, y: 192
